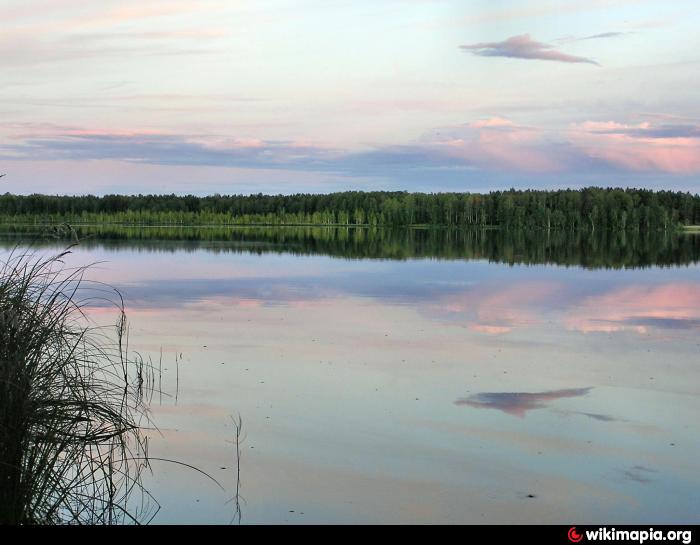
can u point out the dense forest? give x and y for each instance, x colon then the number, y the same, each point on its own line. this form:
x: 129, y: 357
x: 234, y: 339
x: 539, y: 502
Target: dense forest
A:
x: 590, y: 209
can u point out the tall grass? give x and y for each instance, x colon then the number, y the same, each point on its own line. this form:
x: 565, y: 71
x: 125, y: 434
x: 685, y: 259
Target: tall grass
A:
x: 72, y: 414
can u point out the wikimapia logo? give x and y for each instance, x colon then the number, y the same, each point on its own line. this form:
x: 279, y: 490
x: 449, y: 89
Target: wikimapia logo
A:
x: 638, y: 536
x: 574, y: 536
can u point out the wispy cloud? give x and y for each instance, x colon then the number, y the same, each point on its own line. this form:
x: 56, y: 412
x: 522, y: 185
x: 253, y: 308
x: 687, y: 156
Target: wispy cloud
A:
x: 531, y: 10
x: 604, y: 35
x: 69, y: 31
x: 600, y: 36
x: 152, y: 147
x: 45, y: 52
x: 524, y: 47
x: 645, y: 130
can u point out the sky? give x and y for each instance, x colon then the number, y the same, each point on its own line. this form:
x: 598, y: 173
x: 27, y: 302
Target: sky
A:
x: 236, y: 96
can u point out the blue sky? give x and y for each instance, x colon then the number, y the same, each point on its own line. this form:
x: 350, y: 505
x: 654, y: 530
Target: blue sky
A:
x: 278, y: 97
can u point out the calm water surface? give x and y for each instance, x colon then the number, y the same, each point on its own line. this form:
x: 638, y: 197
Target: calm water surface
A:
x: 410, y: 381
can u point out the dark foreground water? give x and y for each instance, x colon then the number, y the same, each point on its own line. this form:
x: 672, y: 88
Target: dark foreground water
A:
x: 415, y: 376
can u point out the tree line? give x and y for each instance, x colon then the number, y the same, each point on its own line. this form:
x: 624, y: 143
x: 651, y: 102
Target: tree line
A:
x: 590, y: 208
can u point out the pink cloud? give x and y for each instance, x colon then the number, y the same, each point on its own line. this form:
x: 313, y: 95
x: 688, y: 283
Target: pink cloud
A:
x: 641, y: 147
x: 489, y: 144
x: 66, y: 16
x: 500, y: 143
x: 28, y: 131
x: 492, y: 122
x: 523, y: 47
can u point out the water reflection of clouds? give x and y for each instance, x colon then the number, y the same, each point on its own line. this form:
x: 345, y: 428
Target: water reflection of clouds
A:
x: 423, y: 306
x: 496, y: 310
x: 638, y: 308
x: 484, y: 299
x: 519, y: 403
x: 599, y: 417
x: 225, y: 292
x: 665, y: 323
x: 638, y: 474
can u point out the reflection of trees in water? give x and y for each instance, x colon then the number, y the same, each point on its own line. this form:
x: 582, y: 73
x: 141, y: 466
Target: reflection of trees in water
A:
x: 600, y: 249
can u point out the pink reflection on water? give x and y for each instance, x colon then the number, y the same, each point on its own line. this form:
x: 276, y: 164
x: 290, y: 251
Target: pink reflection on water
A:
x: 495, y: 312
x: 637, y: 308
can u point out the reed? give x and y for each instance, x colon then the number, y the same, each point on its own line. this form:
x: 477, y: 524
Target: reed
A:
x: 72, y: 413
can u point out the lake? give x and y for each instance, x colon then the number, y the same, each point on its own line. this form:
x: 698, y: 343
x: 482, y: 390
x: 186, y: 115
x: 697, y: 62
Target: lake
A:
x: 416, y: 375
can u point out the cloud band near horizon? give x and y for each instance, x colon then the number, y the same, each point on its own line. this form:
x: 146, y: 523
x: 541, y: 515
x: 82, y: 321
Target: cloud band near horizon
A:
x: 492, y: 144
